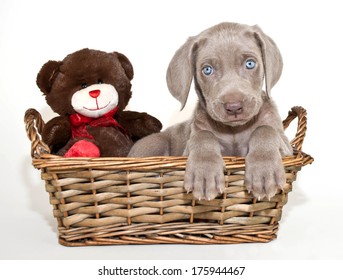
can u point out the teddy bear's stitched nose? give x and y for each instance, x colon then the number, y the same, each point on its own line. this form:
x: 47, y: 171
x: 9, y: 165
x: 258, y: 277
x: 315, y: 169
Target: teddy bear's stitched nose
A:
x: 94, y: 93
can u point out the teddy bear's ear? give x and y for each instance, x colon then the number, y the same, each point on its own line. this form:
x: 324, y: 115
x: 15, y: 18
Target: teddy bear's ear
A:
x: 46, y: 76
x: 126, y: 64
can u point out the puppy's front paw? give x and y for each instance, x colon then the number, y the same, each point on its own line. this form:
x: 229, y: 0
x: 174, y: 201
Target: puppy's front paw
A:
x: 264, y: 174
x: 205, y: 176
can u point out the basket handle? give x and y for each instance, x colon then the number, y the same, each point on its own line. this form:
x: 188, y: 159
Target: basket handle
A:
x: 34, y: 125
x: 300, y: 113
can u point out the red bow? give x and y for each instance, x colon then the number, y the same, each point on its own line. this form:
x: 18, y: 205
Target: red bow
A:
x: 79, y: 122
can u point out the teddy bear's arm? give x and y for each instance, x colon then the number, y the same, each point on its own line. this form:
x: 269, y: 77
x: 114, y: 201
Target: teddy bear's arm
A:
x: 56, y: 133
x: 139, y: 125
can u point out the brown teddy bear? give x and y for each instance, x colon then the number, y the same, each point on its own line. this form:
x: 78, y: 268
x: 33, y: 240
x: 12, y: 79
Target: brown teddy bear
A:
x: 90, y: 89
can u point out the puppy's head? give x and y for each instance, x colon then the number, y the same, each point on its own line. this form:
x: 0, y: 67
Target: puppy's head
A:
x: 229, y: 64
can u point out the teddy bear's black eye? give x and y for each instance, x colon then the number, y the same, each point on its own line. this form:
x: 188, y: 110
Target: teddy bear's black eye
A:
x: 84, y: 85
x: 100, y: 81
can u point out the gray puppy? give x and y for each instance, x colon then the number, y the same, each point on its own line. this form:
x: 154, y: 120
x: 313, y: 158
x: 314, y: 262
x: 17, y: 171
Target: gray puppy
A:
x: 233, y: 67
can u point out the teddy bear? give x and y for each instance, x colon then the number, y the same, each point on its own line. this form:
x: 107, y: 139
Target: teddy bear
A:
x: 89, y: 90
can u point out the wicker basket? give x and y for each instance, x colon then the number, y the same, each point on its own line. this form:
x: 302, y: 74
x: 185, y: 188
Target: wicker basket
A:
x: 105, y: 201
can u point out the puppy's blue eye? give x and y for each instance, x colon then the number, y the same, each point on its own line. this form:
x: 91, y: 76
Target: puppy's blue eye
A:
x: 250, y: 64
x: 100, y: 81
x: 207, y: 70
x: 84, y: 85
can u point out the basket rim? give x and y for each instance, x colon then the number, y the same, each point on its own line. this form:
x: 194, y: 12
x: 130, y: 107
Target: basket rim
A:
x: 42, y: 157
x: 58, y: 163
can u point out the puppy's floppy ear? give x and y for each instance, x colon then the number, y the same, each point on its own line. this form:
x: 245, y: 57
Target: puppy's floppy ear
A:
x: 47, y: 75
x: 126, y: 64
x: 180, y: 72
x: 272, y: 60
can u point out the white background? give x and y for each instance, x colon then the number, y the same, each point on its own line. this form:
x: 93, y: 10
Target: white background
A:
x: 308, y: 34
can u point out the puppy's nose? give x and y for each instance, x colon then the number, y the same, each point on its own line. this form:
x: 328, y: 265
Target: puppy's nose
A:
x: 94, y: 93
x: 234, y: 108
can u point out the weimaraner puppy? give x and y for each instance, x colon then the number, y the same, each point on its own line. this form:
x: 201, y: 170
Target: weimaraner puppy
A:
x: 234, y: 68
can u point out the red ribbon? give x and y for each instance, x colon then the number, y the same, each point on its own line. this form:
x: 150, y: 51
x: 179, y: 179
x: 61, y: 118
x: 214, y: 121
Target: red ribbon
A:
x: 79, y: 122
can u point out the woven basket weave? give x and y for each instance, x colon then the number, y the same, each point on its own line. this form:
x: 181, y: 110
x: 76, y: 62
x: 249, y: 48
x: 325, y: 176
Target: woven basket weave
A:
x: 104, y: 201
